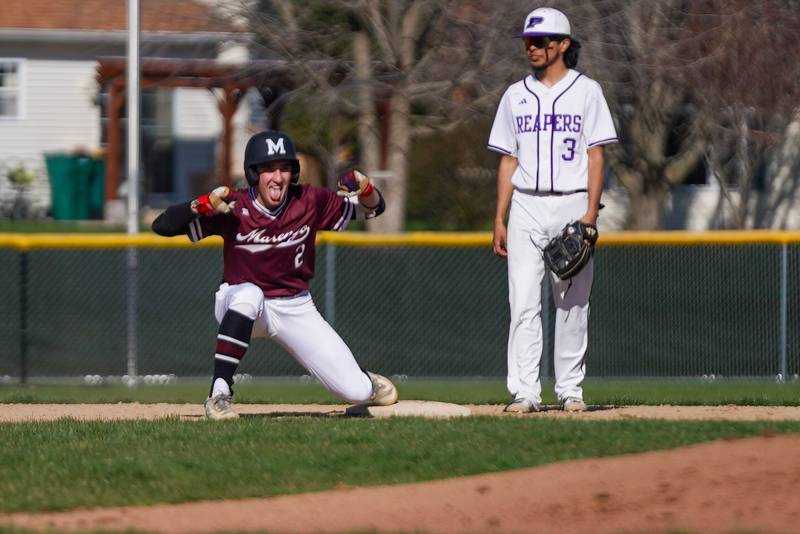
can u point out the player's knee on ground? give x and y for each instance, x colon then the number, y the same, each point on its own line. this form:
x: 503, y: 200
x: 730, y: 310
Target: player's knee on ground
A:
x: 357, y: 390
x: 247, y: 299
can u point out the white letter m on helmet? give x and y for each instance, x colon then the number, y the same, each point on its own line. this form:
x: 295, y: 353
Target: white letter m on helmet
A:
x: 275, y: 148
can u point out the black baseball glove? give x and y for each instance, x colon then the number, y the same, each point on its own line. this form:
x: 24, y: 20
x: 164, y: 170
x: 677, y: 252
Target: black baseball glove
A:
x: 568, y: 253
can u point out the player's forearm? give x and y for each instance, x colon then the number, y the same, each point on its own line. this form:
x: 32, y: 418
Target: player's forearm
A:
x: 505, y: 170
x: 371, y: 200
x: 174, y: 220
x: 595, y: 184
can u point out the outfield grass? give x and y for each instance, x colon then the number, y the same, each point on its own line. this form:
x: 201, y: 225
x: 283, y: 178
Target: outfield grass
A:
x: 68, y: 464
x: 489, y: 391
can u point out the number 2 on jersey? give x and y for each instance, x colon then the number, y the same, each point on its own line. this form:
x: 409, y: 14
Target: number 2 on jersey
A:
x: 298, y: 258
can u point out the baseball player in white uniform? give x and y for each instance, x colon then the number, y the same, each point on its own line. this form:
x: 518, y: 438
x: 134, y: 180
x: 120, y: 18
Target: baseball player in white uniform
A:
x: 551, y: 128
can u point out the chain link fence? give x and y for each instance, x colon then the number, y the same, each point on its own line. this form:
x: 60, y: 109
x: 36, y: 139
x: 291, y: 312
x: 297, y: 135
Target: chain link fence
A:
x: 421, y: 307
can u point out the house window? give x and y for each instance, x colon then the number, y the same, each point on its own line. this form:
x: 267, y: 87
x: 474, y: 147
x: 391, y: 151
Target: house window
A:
x: 10, y: 88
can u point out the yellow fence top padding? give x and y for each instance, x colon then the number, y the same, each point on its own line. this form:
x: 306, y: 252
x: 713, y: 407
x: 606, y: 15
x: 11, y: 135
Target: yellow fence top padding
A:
x: 716, y: 237
x: 99, y: 241
x: 440, y: 239
x: 24, y: 242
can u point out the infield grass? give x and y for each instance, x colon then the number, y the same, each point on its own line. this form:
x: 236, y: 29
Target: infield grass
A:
x: 460, y: 391
x: 67, y: 464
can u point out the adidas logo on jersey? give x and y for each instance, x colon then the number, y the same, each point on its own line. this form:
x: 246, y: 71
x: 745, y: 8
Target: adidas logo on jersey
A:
x: 523, y: 101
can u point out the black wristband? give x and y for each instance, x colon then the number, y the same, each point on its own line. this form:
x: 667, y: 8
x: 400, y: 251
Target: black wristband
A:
x: 175, y: 220
x: 381, y: 207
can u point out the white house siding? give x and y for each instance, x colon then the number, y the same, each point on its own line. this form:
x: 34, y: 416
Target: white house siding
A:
x: 196, y: 117
x: 195, y: 114
x: 694, y: 208
x: 59, y: 87
x: 59, y: 115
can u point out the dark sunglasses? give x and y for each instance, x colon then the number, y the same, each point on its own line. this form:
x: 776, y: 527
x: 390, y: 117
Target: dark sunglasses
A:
x: 539, y: 41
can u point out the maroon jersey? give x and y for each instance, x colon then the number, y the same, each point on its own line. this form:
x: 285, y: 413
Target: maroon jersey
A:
x: 274, y: 249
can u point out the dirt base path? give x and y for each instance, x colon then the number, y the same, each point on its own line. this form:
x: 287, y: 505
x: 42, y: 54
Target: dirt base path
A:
x: 725, y: 486
x: 135, y: 410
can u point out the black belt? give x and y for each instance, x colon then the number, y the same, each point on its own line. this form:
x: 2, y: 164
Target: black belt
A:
x: 553, y: 193
x: 562, y: 193
x: 559, y: 193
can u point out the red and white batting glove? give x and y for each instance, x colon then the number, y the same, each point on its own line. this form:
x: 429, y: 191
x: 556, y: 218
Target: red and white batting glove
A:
x: 213, y: 202
x: 354, y: 183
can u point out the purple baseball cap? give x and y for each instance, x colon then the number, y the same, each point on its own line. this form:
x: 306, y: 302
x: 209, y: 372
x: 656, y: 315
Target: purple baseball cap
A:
x: 545, y: 21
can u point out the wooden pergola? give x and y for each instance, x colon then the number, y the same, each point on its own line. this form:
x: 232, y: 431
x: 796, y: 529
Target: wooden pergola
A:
x: 232, y: 80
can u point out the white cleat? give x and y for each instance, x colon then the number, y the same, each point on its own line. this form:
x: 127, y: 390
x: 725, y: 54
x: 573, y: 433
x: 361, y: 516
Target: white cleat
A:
x: 523, y: 406
x: 573, y: 404
x: 383, y: 391
x: 220, y: 407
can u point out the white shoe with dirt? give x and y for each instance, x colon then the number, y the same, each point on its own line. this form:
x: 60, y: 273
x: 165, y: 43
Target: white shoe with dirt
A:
x: 523, y: 406
x: 573, y: 404
x: 383, y: 391
x: 220, y: 407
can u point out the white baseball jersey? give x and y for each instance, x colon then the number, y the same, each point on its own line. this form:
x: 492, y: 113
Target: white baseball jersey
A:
x: 550, y: 129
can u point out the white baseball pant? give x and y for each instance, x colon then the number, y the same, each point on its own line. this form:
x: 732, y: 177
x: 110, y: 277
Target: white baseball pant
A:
x: 295, y: 323
x: 533, y: 220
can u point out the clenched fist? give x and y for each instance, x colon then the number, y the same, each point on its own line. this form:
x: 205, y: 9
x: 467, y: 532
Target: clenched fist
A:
x: 213, y: 202
x: 354, y: 183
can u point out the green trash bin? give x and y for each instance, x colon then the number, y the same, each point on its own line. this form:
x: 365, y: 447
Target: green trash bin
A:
x: 62, y: 186
x: 82, y: 170
x: 70, y: 185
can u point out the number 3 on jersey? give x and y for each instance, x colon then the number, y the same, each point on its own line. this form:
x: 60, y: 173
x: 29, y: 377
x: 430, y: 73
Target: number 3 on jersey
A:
x: 569, y: 149
x: 298, y: 258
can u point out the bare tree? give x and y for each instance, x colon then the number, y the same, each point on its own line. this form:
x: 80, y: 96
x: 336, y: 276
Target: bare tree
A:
x: 642, y: 53
x: 691, y: 82
x: 401, y: 68
x: 748, y: 98
x: 783, y: 179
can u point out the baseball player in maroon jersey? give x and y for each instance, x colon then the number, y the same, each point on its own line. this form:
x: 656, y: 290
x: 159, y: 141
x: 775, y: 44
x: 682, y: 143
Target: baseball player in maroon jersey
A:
x: 269, y: 232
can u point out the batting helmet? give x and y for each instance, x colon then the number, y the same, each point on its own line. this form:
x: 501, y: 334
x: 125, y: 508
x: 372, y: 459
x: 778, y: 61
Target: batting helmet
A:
x: 270, y: 145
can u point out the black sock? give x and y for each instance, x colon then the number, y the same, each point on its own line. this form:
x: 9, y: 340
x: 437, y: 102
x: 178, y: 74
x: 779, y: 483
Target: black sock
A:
x: 232, y: 342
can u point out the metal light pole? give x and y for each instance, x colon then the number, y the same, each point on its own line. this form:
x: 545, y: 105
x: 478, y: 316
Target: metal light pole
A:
x: 133, y: 96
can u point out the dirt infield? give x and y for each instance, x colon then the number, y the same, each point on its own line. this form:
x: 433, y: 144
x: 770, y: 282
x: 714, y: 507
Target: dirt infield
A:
x: 725, y: 486
x: 135, y: 410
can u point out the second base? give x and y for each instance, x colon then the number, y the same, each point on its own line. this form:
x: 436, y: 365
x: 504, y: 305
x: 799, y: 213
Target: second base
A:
x: 411, y: 408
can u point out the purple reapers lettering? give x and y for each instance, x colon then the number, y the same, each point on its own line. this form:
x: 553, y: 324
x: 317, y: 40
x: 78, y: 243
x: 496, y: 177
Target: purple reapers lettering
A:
x: 559, y: 123
x: 547, y: 122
